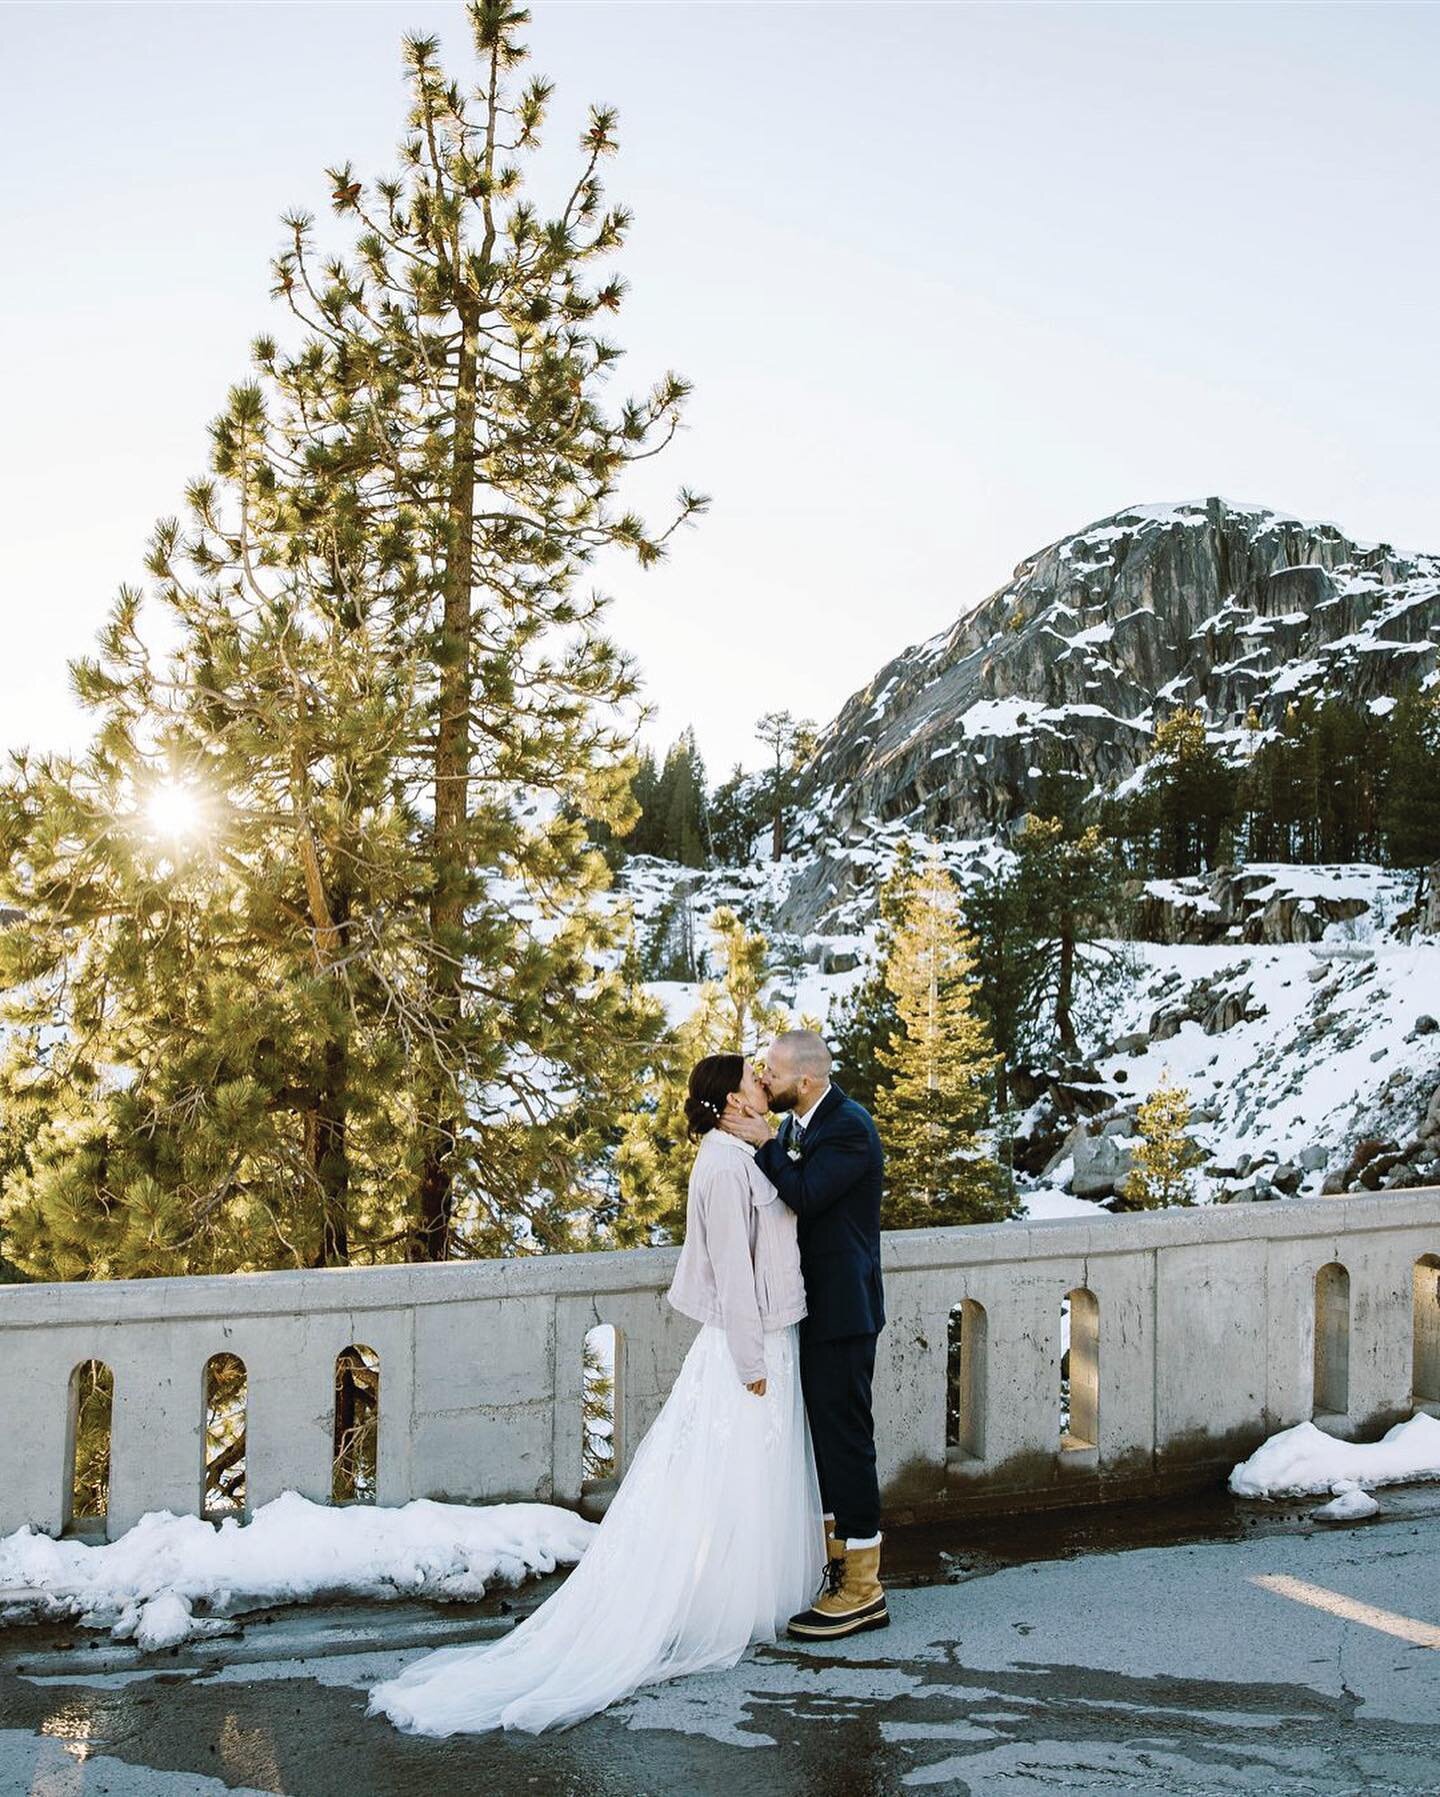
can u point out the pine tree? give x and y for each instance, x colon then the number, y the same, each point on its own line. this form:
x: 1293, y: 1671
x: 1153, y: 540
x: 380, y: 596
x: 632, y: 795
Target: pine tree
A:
x: 731, y: 1016
x: 1160, y: 1173
x: 456, y: 358
x: 737, y: 812
x: 1410, y: 818
x: 1070, y: 894
x: 867, y: 1019
x: 1349, y: 751
x: 791, y: 742
x: 276, y: 1024
x: 645, y: 838
x: 680, y: 805
x: 1011, y: 961
x: 201, y: 892
x: 936, y: 1101
x: 1185, y: 808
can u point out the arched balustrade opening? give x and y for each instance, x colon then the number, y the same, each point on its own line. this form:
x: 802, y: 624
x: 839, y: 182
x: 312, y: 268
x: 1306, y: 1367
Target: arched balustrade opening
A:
x: 600, y: 1407
x: 355, y: 1465
x: 1426, y: 1325
x: 226, y: 1395
x: 965, y: 1381
x: 87, y: 1448
x: 1079, y: 1370
x: 1332, y: 1342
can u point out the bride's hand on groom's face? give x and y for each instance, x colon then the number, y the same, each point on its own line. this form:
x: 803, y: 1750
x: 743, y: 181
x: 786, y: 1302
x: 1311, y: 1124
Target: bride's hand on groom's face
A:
x: 740, y: 1120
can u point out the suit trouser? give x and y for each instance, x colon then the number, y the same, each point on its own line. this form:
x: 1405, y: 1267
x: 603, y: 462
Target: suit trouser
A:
x: 836, y: 1378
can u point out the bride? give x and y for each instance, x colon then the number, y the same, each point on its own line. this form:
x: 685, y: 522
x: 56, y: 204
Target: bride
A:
x: 715, y: 1536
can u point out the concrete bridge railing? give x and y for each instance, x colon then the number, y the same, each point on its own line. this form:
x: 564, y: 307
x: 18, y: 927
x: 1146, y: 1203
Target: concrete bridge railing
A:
x: 1192, y: 1334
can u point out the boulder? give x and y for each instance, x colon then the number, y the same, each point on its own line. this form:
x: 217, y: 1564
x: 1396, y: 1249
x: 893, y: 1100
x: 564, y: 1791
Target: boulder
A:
x: 1072, y: 1100
x: 1066, y: 1148
x: 1372, y: 1174
x: 1367, y: 1149
x: 1165, y: 1024
x: 1225, y: 1013
x: 1101, y: 1164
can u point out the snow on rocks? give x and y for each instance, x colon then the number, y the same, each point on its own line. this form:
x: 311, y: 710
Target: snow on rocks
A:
x: 1305, y: 1462
x: 146, y: 1585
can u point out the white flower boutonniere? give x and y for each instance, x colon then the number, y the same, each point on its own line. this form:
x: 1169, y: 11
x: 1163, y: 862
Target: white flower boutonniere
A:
x: 794, y: 1152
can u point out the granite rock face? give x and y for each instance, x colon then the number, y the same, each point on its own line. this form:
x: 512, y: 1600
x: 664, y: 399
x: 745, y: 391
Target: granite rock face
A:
x: 1101, y: 636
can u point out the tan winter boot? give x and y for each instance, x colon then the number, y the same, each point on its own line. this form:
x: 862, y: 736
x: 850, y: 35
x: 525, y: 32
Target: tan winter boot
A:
x: 853, y: 1599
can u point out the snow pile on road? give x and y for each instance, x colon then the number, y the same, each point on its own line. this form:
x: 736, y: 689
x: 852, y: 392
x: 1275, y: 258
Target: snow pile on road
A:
x: 1305, y: 1461
x: 145, y: 1586
x: 1352, y: 1504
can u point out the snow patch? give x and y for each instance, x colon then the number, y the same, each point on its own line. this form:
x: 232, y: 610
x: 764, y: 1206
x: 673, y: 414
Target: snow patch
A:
x: 1305, y: 1461
x: 145, y: 1585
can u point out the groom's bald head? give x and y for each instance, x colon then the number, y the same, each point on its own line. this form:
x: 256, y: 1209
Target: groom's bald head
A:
x: 796, y: 1068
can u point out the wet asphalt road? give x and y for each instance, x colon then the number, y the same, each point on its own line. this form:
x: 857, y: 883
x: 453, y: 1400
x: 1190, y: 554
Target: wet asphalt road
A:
x: 1158, y: 1668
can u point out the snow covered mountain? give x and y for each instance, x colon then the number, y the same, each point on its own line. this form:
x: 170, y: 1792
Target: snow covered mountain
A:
x: 1296, y: 1003
x: 1101, y: 635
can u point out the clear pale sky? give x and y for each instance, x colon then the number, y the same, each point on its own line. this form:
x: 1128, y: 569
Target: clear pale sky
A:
x: 951, y: 281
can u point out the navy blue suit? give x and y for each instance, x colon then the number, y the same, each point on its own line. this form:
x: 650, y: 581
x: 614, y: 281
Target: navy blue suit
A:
x: 834, y: 1191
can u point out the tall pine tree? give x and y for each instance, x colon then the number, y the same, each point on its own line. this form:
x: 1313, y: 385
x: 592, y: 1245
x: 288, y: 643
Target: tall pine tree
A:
x: 1184, y: 811
x: 1411, y: 816
x: 385, y: 656
x: 456, y: 357
x: 732, y: 1016
x: 937, y: 1099
x: 1071, y: 887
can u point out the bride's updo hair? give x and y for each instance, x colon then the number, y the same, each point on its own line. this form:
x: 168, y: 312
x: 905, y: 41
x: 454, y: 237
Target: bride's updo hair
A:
x: 711, y: 1083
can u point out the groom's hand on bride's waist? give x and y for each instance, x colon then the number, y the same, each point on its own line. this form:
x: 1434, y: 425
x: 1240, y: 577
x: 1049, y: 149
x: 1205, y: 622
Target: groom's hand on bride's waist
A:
x: 751, y: 1126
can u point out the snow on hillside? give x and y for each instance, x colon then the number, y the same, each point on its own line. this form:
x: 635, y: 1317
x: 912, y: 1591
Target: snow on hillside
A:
x: 1311, y: 1047
x: 1329, y: 1060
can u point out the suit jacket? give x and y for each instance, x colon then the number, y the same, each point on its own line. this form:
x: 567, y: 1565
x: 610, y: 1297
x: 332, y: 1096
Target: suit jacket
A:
x: 834, y: 1191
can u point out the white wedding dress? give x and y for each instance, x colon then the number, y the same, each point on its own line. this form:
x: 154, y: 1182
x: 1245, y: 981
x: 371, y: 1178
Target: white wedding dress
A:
x: 714, y: 1539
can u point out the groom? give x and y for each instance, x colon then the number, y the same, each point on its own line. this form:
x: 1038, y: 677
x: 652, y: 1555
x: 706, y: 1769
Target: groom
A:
x: 826, y: 1163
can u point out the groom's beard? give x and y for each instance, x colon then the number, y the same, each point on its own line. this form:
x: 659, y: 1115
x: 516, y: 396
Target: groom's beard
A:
x: 780, y: 1102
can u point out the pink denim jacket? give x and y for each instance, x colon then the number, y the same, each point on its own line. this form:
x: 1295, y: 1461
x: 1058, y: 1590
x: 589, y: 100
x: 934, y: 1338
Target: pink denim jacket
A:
x: 740, y: 1266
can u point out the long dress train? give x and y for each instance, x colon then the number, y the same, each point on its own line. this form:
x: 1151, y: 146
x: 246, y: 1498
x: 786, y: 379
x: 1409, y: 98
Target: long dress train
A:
x: 714, y: 1538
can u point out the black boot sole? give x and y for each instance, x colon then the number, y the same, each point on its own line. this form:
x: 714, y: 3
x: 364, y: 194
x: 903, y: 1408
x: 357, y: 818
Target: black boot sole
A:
x: 842, y: 1626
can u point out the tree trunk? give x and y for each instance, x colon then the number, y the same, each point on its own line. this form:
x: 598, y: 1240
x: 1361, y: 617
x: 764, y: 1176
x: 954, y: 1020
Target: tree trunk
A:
x: 332, y: 1159
x: 1065, y: 987
x: 451, y: 798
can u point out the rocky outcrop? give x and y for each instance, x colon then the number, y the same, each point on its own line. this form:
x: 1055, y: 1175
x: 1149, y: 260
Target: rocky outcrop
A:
x: 1385, y: 1164
x: 1103, y: 634
x: 1247, y: 904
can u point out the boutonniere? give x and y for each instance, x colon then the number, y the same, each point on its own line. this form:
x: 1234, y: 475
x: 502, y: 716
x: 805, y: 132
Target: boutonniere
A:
x: 795, y: 1153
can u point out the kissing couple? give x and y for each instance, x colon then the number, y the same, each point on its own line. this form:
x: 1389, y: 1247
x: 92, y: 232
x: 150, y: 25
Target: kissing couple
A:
x: 750, y: 1506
